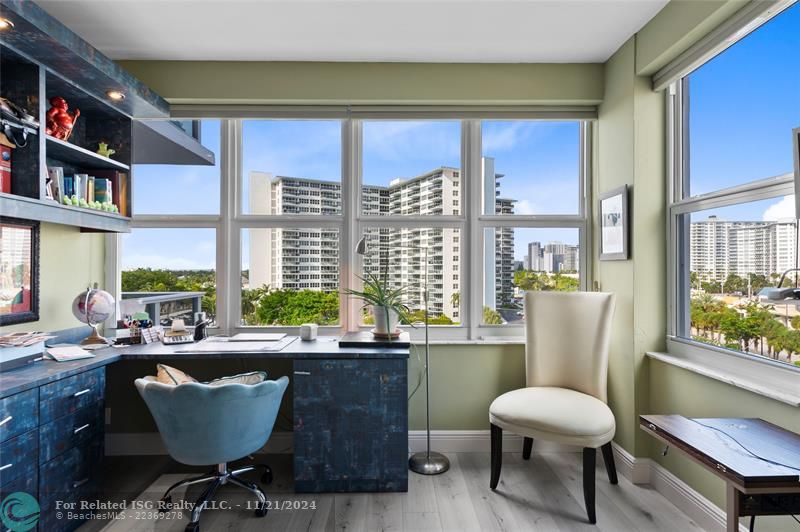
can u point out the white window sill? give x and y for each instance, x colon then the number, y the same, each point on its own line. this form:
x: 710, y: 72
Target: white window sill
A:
x: 511, y: 340
x: 760, y: 377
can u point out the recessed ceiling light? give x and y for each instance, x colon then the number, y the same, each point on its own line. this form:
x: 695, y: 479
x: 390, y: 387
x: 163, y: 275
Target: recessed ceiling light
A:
x: 116, y: 95
x: 6, y: 24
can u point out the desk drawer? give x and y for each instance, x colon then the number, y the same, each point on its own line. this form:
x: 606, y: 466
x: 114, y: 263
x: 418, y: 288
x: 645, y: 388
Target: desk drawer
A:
x: 72, y: 477
x: 69, y: 395
x: 19, y: 413
x: 71, y: 472
x: 70, y: 431
x: 18, y: 457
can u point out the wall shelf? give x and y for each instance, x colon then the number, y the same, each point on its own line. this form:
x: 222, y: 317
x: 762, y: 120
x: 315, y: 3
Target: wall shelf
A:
x: 70, y: 153
x: 51, y: 212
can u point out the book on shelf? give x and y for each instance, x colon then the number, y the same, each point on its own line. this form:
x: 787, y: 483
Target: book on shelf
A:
x: 102, y: 190
x: 118, y: 189
x: 56, y: 183
x: 80, y: 185
x: 69, y: 186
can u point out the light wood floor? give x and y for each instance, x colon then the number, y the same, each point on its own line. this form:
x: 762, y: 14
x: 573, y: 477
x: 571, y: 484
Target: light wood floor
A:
x: 542, y: 494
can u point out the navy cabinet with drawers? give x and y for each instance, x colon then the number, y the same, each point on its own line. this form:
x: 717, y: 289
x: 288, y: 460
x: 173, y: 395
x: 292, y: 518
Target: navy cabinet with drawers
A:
x: 51, y: 444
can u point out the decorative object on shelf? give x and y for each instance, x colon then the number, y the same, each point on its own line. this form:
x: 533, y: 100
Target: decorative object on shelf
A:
x: 104, y: 150
x: 59, y: 120
x: 19, y: 271
x: 16, y: 123
x: 426, y: 462
x: 308, y: 332
x: 93, y: 307
x: 613, y: 207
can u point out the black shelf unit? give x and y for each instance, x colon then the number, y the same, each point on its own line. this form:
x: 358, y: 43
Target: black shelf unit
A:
x: 30, y: 85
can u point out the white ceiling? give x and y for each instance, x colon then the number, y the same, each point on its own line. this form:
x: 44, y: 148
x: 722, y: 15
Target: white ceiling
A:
x: 486, y: 31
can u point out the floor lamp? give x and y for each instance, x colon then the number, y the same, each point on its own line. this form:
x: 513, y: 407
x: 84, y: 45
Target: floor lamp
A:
x: 425, y: 462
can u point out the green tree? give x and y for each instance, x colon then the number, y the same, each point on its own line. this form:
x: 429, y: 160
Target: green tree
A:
x: 491, y: 317
x: 295, y: 307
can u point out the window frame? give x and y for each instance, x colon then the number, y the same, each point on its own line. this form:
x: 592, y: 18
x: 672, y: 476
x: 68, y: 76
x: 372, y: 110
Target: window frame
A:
x: 680, y: 205
x: 231, y: 220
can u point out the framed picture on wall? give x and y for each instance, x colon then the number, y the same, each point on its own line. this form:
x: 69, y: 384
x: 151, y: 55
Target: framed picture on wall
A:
x: 614, y: 224
x: 19, y: 270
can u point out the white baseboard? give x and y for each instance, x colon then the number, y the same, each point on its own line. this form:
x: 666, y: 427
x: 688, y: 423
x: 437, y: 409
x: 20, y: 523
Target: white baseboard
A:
x: 638, y: 470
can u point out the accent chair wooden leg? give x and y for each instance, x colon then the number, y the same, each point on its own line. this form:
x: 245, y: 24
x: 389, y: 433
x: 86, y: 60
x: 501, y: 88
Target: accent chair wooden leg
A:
x: 589, y: 462
x: 608, y: 458
x: 497, y: 455
x: 527, y: 445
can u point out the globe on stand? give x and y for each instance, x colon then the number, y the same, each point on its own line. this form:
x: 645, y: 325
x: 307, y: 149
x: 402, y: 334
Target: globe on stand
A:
x: 93, y: 307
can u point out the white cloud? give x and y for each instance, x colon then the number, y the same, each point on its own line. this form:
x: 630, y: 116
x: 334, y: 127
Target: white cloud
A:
x: 524, y: 207
x: 782, y: 210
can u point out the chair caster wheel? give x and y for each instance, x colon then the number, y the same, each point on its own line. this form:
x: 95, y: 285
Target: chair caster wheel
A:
x: 192, y: 527
x: 164, y: 504
x: 266, y: 478
x: 261, y: 511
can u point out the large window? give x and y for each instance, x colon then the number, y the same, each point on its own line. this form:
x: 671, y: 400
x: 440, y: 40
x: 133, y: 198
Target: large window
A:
x: 733, y: 219
x: 480, y: 210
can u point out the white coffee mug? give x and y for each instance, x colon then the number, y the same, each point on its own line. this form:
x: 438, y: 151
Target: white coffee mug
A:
x: 308, y: 331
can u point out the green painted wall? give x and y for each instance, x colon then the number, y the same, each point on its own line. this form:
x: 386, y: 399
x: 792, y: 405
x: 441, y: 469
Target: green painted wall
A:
x: 309, y: 83
x: 69, y: 262
x: 679, y: 25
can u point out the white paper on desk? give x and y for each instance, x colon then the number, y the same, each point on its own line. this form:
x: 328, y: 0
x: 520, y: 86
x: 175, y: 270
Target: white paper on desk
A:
x: 69, y: 352
x: 236, y: 347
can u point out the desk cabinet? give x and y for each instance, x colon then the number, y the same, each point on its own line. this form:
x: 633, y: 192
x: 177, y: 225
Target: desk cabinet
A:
x: 51, y: 444
x: 350, y: 425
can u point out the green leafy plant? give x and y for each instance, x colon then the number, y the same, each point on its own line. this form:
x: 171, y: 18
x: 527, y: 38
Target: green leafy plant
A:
x: 376, y: 292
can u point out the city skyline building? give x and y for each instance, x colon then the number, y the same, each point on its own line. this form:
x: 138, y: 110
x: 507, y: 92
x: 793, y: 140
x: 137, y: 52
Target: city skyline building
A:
x: 308, y: 258
x: 719, y: 248
x: 553, y: 257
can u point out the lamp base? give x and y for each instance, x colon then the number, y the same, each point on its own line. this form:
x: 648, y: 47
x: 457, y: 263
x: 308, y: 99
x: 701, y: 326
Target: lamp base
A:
x: 428, y: 463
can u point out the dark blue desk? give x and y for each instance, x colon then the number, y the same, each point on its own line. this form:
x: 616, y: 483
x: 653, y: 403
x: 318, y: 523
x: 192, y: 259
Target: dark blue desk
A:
x: 350, y: 417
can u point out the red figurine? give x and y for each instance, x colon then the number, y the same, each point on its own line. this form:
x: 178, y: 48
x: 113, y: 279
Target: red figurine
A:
x: 59, y: 122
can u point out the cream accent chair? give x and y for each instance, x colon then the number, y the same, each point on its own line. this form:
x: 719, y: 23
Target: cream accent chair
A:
x: 566, y: 364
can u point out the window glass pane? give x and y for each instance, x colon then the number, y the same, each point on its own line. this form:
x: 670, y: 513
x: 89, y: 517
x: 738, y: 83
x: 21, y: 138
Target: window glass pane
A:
x: 531, y: 167
x: 412, y: 168
x: 180, y: 189
x: 169, y: 272
x: 290, y: 276
x: 292, y: 167
x: 520, y: 259
x: 734, y: 253
x: 743, y: 105
x: 396, y: 257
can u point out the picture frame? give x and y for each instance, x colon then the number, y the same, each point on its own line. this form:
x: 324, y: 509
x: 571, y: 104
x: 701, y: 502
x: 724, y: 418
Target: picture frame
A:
x: 19, y: 270
x: 613, y: 209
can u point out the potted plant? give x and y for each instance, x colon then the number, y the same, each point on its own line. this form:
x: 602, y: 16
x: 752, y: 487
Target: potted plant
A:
x: 388, y: 309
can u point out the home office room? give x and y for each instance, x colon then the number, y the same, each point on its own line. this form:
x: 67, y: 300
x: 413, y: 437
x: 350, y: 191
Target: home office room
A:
x: 445, y: 265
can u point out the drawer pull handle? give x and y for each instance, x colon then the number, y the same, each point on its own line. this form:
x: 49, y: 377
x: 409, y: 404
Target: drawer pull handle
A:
x: 3, y: 468
x: 6, y: 420
x: 79, y: 483
x: 78, y: 394
x: 80, y: 428
x: 302, y: 373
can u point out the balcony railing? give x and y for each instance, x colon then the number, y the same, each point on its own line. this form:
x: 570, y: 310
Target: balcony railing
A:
x: 163, y: 307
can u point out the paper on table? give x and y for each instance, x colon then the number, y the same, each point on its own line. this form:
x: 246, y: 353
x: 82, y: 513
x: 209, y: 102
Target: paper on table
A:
x: 70, y: 352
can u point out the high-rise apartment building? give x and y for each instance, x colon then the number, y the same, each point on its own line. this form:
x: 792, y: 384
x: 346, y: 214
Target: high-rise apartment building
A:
x: 308, y: 258
x: 719, y: 248
x: 553, y: 257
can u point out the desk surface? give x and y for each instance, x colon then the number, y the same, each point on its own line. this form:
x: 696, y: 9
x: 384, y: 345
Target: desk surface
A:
x: 44, y: 371
x: 713, y: 443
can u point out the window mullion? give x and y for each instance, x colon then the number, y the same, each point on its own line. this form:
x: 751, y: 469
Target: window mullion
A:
x: 228, y: 238
x: 472, y: 251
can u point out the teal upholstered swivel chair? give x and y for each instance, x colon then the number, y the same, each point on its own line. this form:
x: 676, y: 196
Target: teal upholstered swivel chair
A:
x: 214, y: 425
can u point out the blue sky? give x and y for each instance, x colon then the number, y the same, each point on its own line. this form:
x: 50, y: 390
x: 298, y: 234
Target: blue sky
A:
x: 743, y: 105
